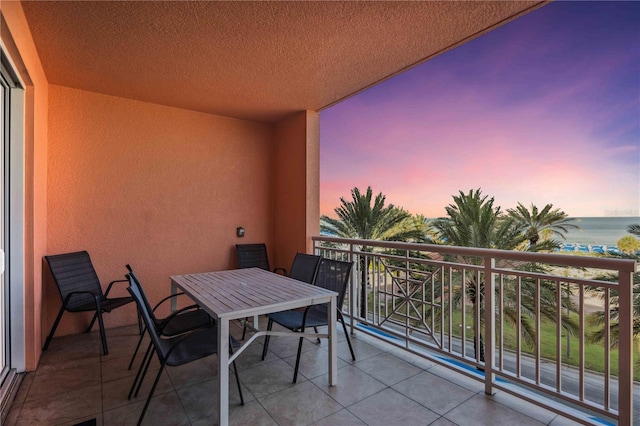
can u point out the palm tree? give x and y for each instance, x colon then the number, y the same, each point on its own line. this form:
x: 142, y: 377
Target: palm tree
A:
x: 598, y: 318
x: 473, y: 221
x: 536, y: 221
x: 359, y: 218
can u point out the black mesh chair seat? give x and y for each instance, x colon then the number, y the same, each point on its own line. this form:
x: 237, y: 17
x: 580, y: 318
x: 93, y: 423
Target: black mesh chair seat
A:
x: 172, y: 351
x: 293, y: 319
x: 107, y: 305
x: 185, y: 322
x: 81, y: 291
x: 333, y: 275
x: 180, y: 322
x: 193, y: 346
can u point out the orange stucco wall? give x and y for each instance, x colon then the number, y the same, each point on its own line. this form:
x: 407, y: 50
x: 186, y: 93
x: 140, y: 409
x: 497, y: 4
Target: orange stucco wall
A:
x: 296, y: 185
x: 16, y: 37
x: 157, y: 187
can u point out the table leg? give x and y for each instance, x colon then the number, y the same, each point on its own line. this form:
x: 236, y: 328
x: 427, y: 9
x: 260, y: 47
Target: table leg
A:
x: 333, y: 342
x: 174, y: 300
x: 223, y: 372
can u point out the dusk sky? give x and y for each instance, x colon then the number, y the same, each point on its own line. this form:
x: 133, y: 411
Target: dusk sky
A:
x: 545, y: 109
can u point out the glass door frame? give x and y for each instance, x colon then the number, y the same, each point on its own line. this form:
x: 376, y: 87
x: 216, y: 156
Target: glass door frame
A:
x: 5, y: 342
x: 13, y: 221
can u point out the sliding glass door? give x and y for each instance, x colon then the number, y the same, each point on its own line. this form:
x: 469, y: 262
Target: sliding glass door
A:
x: 12, y: 242
x: 4, y: 311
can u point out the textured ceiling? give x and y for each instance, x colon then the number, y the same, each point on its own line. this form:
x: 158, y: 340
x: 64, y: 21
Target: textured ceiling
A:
x: 251, y: 60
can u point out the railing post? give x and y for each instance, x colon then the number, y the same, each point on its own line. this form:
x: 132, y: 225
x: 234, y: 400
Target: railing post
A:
x: 625, y: 346
x: 352, y: 298
x: 489, y: 323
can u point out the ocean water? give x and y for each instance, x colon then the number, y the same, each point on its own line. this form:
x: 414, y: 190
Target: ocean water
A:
x: 599, y: 230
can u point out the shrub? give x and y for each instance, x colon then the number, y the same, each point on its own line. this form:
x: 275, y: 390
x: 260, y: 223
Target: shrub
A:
x: 629, y: 245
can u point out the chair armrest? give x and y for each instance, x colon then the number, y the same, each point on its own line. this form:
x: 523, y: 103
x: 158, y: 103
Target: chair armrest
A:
x: 112, y: 283
x: 95, y: 296
x: 282, y: 271
x: 165, y: 299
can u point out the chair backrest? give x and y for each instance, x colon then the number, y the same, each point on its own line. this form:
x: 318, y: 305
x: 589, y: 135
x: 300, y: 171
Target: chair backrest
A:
x: 147, y: 315
x: 305, y: 267
x: 334, y: 275
x: 135, y: 282
x: 74, y: 272
x: 252, y: 256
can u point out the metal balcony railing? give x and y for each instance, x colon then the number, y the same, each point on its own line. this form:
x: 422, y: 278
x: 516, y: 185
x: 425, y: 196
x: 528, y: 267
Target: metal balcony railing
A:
x: 522, y: 322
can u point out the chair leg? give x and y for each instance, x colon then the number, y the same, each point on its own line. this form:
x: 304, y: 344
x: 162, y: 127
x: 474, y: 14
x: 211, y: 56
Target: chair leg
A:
x: 235, y: 370
x: 135, y: 352
x: 153, y: 388
x: 295, y: 371
x: 53, y: 329
x: 316, y: 330
x: 93, y: 321
x: 144, y: 372
x: 139, y: 373
x: 265, y: 348
x: 344, y: 327
x: 244, y: 328
x: 103, y: 336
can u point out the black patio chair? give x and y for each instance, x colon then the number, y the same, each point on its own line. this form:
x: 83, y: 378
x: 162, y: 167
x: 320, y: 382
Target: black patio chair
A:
x: 255, y: 256
x: 173, y: 351
x: 304, y: 268
x: 333, y: 275
x: 182, y: 321
x: 80, y: 291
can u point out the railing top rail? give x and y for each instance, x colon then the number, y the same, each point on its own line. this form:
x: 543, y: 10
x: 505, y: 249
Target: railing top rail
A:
x: 622, y: 265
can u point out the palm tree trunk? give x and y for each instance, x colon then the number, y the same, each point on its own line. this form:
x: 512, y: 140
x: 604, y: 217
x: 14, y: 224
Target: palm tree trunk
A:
x: 477, y: 332
x: 475, y: 348
x: 364, y: 284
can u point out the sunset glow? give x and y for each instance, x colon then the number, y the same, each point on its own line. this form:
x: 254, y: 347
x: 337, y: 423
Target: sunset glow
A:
x: 545, y: 109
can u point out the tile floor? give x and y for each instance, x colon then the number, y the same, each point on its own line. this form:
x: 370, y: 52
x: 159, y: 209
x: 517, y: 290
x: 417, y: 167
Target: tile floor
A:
x: 385, y: 386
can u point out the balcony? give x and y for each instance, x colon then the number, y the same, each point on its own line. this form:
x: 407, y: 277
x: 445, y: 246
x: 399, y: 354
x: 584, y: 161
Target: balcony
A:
x: 153, y: 150
x: 411, y: 368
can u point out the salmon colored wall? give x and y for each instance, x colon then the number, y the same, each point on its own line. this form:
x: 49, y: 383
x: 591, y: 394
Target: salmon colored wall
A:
x: 16, y: 37
x: 157, y: 187
x: 296, y: 185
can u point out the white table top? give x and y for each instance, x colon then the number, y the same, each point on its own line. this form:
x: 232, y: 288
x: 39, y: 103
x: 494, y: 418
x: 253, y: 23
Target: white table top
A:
x: 240, y: 293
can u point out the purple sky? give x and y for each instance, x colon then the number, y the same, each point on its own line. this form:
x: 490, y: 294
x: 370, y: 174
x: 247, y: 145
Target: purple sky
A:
x: 545, y: 109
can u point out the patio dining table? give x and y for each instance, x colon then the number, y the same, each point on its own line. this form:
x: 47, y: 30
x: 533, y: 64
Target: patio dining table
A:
x: 242, y: 293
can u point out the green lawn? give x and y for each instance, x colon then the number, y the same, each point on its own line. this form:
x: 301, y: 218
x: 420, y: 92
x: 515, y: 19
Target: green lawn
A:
x: 593, y: 353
